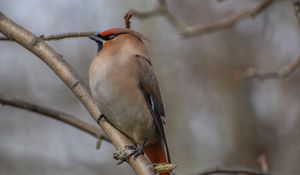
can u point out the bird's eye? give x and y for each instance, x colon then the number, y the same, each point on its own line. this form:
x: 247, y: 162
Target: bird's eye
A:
x: 110, y: 37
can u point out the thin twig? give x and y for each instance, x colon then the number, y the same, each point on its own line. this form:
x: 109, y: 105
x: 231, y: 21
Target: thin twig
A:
x: 286, y: 71
x: 141, y: 165
x: 128, y: 15
x: 58, y: 115
x: 228, y: 171
x: 185, y: 30
x: 59, y: 36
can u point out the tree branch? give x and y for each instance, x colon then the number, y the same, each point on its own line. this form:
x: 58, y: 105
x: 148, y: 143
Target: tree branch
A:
x: 238, y: 172
x: 51, y: 113
x: 187, y: 31
x: 58, y: 36
x: 161, y: 9
x: 141, y: 165
x: 283, y: 73
x: 286, y: 71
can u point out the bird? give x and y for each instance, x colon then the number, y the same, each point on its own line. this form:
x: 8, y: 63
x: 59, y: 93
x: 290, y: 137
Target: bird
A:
x: 123, y: 83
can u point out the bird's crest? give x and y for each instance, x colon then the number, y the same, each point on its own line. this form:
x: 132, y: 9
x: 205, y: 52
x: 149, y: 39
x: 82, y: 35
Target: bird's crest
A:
x: 117, y: 31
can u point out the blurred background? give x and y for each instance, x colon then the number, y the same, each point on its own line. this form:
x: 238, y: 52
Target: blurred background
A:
x: 213, y: 120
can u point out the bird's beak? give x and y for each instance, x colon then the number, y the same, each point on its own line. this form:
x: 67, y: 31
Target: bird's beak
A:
x: 98, y: 40
x: 95, y: 38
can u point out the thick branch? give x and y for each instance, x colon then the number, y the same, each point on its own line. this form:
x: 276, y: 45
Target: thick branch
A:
x: 55, y: 61
x: 284, y: 72
x: 238, y: 172
x: 60, y: 116
x: 185, y: 30
x: 58, y: 36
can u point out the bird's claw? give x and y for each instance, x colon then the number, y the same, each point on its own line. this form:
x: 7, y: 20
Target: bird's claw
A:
x: 121, y: 155
x: 122, y: 160
x: 137, y: 150
x: 124, y: 154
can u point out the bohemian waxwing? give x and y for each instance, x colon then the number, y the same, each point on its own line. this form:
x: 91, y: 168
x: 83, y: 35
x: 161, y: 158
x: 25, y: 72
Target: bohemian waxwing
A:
x: 124, y: 85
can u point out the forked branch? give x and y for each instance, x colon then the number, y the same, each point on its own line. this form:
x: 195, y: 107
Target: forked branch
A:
x: 67, y: 74
x: 161, y: 9
x: 252, y: 73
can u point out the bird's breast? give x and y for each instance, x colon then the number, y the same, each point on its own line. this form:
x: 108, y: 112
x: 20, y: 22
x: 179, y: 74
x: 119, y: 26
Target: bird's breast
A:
x: 115, y: 86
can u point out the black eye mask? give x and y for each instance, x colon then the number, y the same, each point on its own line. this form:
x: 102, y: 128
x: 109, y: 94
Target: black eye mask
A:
x: 99, y: 39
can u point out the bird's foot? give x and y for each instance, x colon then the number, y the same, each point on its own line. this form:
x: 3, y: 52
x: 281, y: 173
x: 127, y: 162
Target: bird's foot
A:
x: 124, y: 154
x: 137, y: 150
x: 98, y: 120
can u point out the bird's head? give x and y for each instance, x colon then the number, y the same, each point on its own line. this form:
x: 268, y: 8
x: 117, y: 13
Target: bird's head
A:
x: 111, y: 34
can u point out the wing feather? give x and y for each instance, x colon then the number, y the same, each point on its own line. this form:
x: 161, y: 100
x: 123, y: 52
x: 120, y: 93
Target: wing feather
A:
x: 149, y: 87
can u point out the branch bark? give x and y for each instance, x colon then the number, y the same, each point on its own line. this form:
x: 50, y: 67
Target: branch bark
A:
x: 59, y: 36
x: 141, y: 165
x: 51, y: 113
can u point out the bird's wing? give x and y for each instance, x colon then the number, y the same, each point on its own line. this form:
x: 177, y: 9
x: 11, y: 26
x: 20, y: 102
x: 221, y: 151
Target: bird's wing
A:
x: 150, y: 84
x: 149, y: 87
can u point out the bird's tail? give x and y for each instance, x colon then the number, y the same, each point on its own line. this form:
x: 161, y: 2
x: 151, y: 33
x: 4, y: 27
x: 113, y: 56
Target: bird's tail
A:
x: 156, y: 154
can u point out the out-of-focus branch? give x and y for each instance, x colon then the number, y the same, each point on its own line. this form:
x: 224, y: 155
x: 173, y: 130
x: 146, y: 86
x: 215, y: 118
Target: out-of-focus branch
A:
x: 252, y: 73
x: 297, y: 10
x: 284, y: 72
x: 185, y: 30
x: 58, y: 36
x: 51, y: 113
x: 141, y: 165
x: 227, y: 171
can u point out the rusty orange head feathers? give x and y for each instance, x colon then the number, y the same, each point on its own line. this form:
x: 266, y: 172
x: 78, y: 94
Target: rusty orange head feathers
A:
x: 112, y: 33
